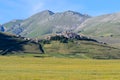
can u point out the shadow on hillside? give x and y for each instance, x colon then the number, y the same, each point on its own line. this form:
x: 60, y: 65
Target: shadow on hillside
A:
x: 10, y: 43
x: 10, y: 46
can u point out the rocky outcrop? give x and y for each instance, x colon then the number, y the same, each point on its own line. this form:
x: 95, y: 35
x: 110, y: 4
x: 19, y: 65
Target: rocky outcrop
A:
x: 14, y: 26
x: 2, y: 28
x: 69, y: 36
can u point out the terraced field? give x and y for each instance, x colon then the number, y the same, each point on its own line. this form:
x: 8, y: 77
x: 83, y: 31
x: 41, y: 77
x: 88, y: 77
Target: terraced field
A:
x: 51, y: 68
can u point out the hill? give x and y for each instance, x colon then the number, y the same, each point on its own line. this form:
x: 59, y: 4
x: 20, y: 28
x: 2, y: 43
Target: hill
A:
x: 103, y: 28
x: 14, y: 44
x: 67, y: 45
x: 13, y: 26
x: 46, y: 22
x: 81, y: 49
x: 77, y: 46
x: 106, y: 26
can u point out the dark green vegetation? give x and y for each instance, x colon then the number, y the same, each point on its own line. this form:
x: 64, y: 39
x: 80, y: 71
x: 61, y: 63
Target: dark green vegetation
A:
x: 14, y: 44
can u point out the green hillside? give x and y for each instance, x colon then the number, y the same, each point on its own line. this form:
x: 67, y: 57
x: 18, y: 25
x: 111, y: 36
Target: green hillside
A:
x: 13, y: 44
x: 104, y: 28
x: 72, y: 48
x: 46, y: 22
x: 12, y: 23
x: 81, y: 49
x: 105, y: 25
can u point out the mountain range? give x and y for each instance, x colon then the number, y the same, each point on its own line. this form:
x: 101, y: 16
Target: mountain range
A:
x: 105, y: 25
x: 103, y: 28
x: 47, y: 22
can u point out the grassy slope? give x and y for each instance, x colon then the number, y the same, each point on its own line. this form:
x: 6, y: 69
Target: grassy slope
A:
x: 82, y: 49
x: 29, y: 68
x: 53, y: 23
x: 10, y: 43
x: 11, y: 24
x: 104, y: 25
x: 103, y: 29
x: 110, y: 40
x: 76, y: 49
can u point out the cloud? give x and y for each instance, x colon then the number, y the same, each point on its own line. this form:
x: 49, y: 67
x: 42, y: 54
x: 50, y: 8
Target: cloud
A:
x: 36, y: 7
x: 32, y: 6
x: 11, y: 9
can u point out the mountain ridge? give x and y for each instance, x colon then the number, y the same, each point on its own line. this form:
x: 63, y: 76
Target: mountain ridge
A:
x: 104, y: 25
x: 46, y: 22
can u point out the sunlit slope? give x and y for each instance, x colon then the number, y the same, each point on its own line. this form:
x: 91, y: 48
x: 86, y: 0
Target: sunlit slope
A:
x: 105, y: 25
x: 82, y: 49
x: 47, y: 22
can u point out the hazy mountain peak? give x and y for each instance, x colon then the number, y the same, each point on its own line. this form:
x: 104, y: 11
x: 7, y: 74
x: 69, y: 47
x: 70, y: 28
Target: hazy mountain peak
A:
x: 43, y: 14
x: 16, y: 20
x: 47, y: 12
x: 75, y: 13
x: 47, y: 22
x: 71, y: 12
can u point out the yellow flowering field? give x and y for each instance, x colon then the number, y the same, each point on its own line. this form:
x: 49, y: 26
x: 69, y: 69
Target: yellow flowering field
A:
x: 31, y: 68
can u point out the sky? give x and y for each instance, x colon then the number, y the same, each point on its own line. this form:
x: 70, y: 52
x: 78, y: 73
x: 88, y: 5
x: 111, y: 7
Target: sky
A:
x: 22, y: 9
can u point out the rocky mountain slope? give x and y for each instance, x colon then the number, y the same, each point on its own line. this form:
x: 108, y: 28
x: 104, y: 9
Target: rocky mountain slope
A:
x: 2, y: 28
x: 13, y: 26
x: 104, y: 26
x: 46, y: 22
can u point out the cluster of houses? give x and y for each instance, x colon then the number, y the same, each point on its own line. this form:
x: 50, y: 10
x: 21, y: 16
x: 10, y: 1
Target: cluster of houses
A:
x: 66, y: 34
x: 28, y: 39
x: 69, y: 35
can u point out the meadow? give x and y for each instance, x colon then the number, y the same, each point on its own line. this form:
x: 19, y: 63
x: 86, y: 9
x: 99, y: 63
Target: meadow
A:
x: 53, y: 68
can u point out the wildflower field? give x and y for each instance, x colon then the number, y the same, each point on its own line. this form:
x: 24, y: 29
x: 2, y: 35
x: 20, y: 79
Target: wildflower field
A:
x: 50, y: 68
